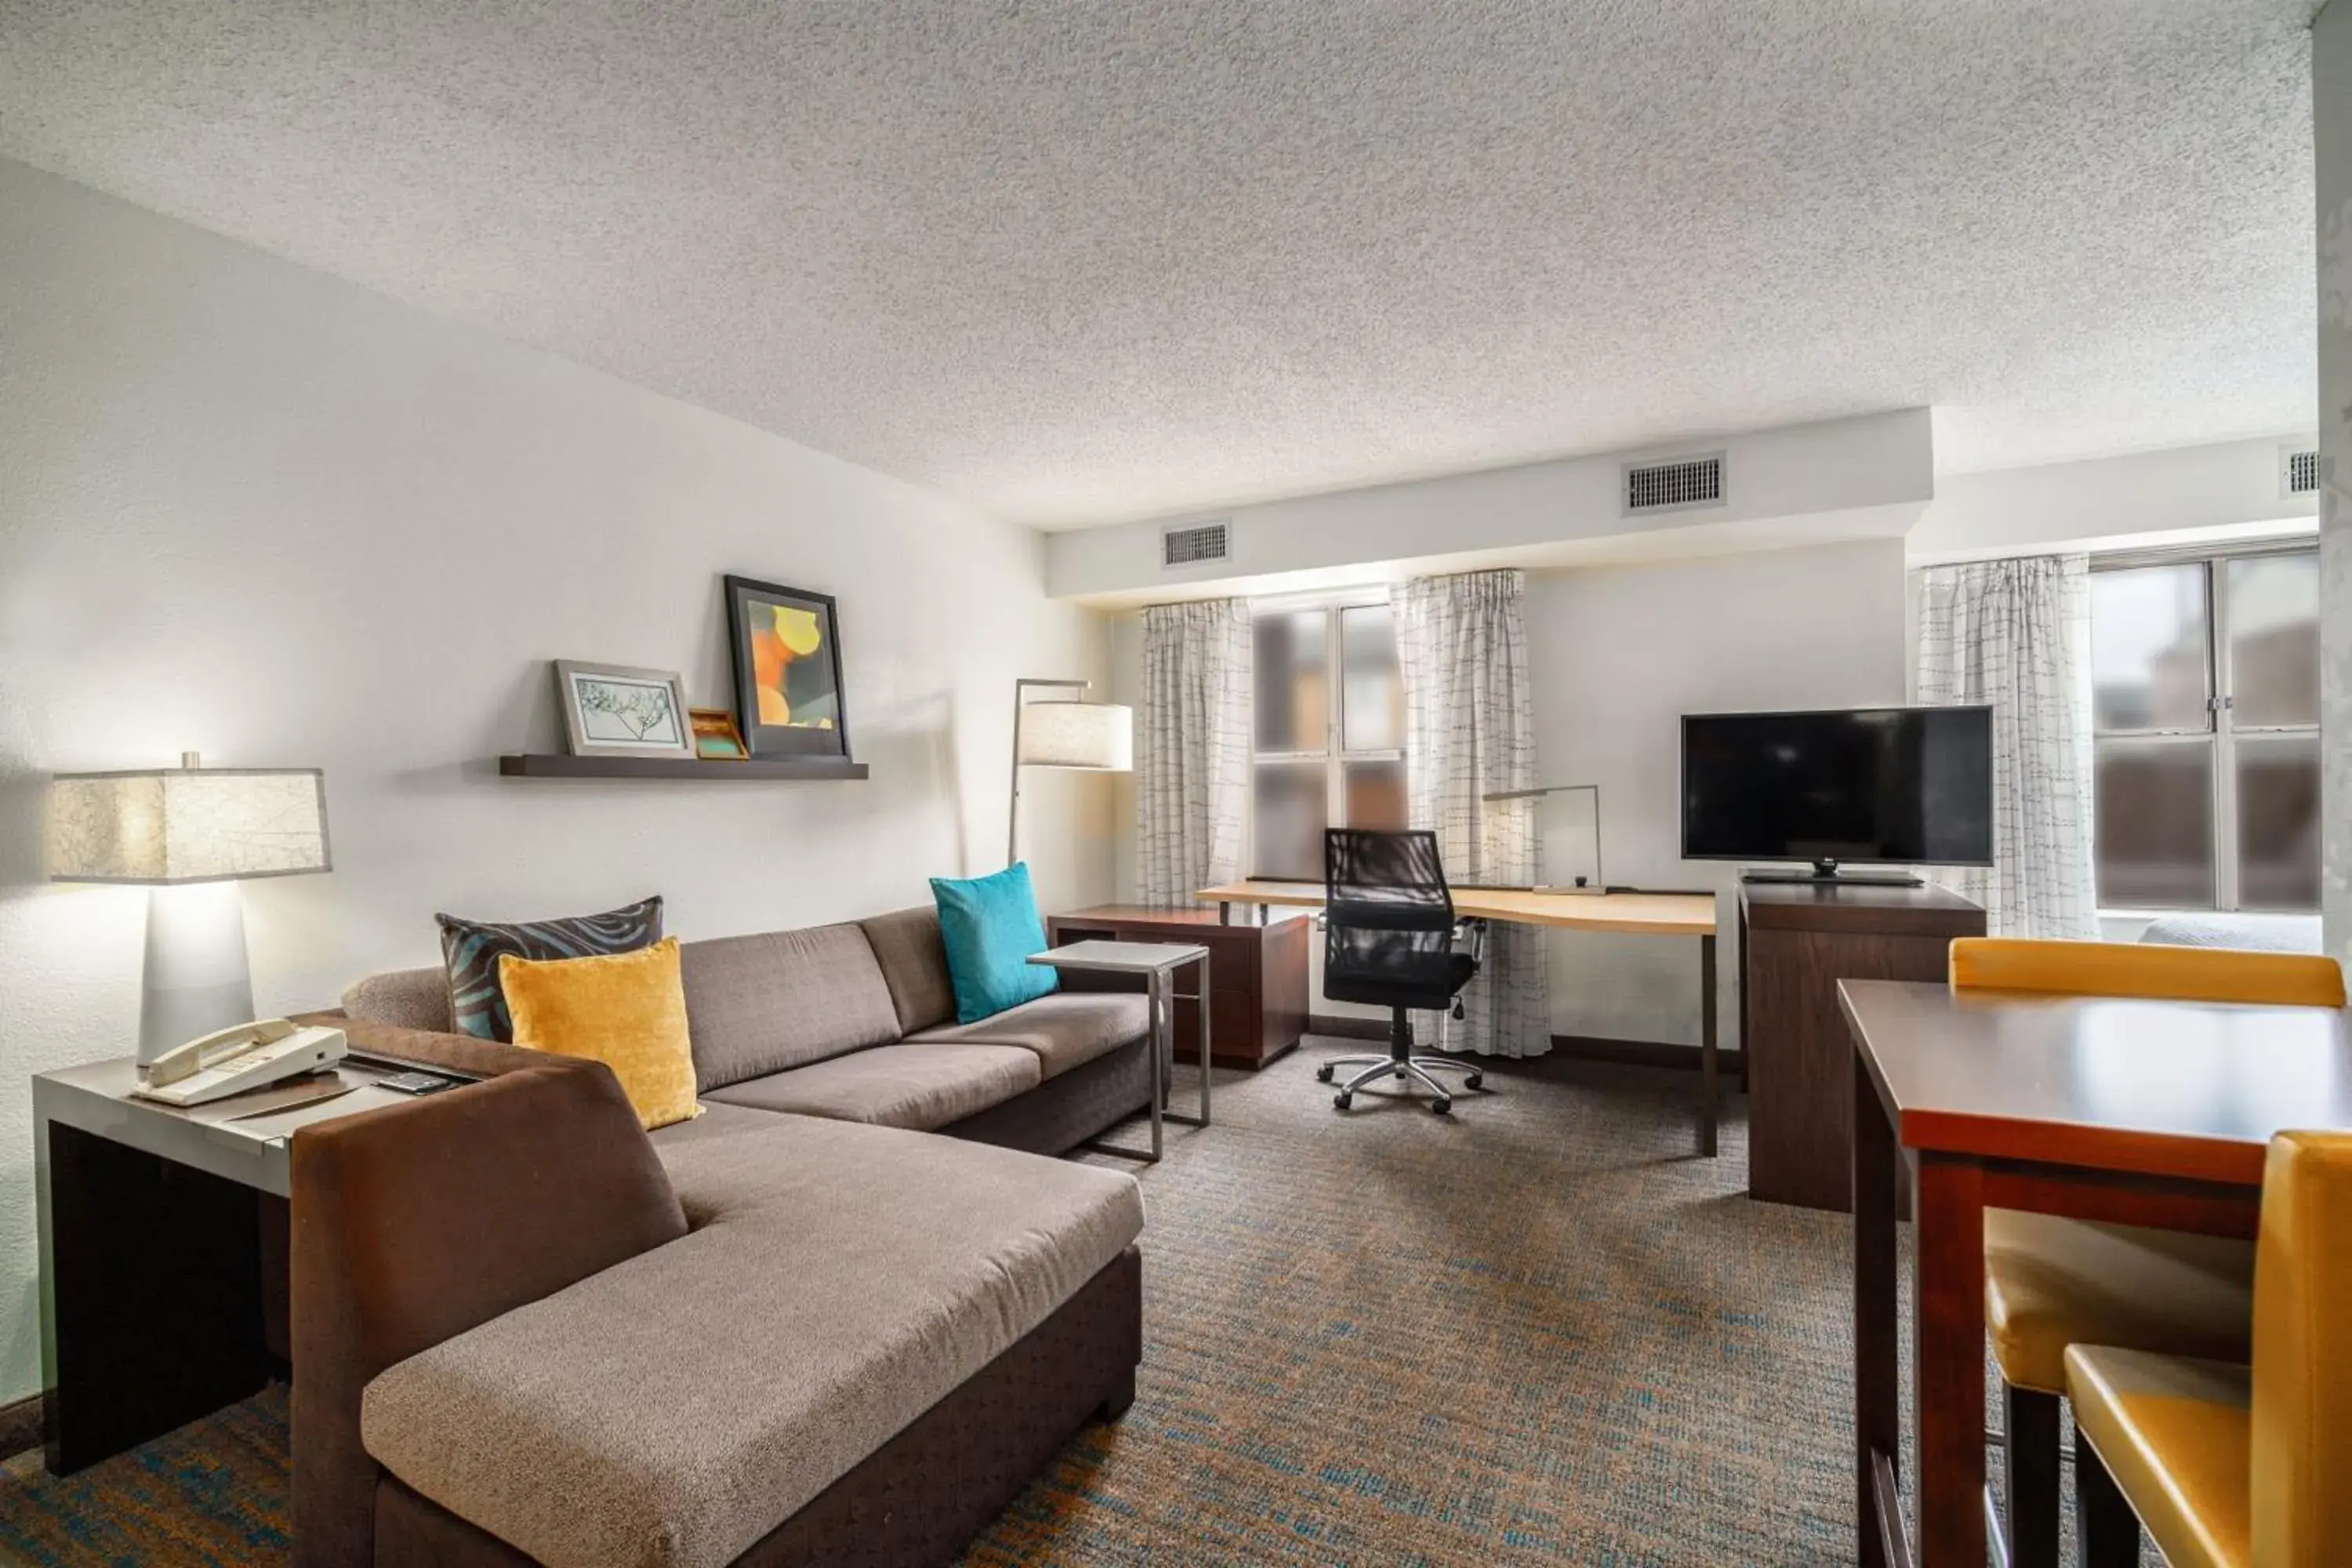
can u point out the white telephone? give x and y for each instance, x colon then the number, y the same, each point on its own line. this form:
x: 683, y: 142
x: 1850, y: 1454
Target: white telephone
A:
x: 238, y: 1059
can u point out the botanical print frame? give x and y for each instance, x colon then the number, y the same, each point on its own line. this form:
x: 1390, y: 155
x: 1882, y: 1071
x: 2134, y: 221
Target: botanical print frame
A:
x: 620, y: 711
x: 788, y: 687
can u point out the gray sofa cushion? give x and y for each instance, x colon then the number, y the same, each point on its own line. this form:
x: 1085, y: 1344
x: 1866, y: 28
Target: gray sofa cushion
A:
x: 839, y: 1281
x: 915, y: 963
x: 1068, y: 1029
x: 758, y: 1005
x: 917, y: 1086
x: 719, y: 1119
x: 405, y: 998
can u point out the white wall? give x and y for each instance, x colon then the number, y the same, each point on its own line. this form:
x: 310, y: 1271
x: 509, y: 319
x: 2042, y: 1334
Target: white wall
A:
x: 1619, y: 655
x: 251, y: 510
x: 2331, y: 96
x: 2179, y: 495
x: 1843, y: 478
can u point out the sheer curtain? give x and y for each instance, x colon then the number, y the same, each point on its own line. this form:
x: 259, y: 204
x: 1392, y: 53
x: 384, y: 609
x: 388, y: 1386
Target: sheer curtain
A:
x: 1192, y: 769
x: 1462, y: 648
x: 2017, y: 633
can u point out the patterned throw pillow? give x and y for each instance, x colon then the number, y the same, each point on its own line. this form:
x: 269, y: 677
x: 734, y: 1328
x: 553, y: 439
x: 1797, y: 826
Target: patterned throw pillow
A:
x: 472, y: 949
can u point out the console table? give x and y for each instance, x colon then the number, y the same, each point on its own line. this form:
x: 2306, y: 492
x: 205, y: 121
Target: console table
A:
x: 1258, y: 1009
x: 1797, y: 940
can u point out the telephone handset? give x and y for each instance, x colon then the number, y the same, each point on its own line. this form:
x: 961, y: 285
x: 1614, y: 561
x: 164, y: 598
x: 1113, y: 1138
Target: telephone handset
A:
x: 238, y: 1059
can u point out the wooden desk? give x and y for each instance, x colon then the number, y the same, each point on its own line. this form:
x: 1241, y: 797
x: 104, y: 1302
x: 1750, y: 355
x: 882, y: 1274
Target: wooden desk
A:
x: 1643, y: 914
x: 2155, y: 1113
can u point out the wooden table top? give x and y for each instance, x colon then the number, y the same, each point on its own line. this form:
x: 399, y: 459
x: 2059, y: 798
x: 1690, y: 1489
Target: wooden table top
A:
x: 1662, y: 914
x: 2191, y: 1089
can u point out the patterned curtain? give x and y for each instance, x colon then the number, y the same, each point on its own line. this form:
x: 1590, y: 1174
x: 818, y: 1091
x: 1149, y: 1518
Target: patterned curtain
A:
x: 2017, y: 633
x: 1462, y: 647
x: 1192, y: 775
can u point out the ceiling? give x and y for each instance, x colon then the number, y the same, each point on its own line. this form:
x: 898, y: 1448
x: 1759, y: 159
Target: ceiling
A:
x: 1084, y: 261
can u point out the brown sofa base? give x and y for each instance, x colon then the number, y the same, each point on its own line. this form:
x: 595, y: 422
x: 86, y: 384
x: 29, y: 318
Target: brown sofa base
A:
x: 916, y: 1501
x: 1063, y: 1112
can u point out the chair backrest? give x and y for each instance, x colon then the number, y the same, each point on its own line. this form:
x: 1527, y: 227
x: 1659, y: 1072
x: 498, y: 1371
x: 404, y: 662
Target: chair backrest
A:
x: 2302, y: 1417
x: 1385, y: 881
x: 2146, y: 970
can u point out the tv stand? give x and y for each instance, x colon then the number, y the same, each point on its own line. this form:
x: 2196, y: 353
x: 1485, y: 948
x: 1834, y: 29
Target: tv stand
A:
x: 1827, y: 869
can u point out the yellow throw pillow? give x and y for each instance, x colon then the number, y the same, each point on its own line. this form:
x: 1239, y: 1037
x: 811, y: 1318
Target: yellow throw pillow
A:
x: 627, y: 1010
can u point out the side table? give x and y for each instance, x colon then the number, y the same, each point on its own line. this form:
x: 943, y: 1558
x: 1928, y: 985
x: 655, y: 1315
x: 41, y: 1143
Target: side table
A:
x: 1262, y: 995
x: 163, y: 1245
x: 1157, y: 962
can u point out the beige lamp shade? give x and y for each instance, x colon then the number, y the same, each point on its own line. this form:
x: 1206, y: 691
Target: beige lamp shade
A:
x: 187, y: 824
x: 1095, y: 735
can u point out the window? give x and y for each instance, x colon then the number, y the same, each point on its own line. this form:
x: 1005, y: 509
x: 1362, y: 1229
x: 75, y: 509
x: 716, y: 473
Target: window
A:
x: 2205, y: 705
x: 1330, y: 743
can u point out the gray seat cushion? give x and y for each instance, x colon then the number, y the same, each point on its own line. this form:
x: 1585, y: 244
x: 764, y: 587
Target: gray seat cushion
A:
x: 1068, y: 1029
x: 915, y: 963
x: 917, y: 1086
x: 758, y: 1005
x: 719, y: 1119
x: 838, y: 1282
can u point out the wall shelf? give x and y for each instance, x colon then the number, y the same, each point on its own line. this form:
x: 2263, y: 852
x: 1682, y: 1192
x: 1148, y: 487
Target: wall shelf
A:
x: 545, y: 766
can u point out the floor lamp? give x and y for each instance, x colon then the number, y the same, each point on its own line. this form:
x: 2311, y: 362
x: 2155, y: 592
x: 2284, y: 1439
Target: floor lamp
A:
x: 1065, y: 732
x: 189, y: 835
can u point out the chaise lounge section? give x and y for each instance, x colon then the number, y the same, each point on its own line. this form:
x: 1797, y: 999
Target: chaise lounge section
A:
x: 800, y: 1328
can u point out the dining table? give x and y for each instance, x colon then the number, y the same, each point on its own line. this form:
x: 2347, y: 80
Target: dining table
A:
x: 2118, y: 1110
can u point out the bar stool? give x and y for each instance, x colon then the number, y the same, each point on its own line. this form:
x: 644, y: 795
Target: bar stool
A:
x: 2236, y: 1466
x: 2050, y: 1283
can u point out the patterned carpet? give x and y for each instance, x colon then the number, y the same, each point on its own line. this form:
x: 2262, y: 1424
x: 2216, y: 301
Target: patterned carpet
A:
x: 1541, y: 1332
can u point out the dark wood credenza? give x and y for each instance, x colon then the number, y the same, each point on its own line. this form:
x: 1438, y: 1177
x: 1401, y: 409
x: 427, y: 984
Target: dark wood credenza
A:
x: 1257, y: 975
x: 1797, y: 940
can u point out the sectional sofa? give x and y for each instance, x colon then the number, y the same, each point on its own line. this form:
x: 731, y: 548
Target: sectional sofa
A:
x: 803, y: 1327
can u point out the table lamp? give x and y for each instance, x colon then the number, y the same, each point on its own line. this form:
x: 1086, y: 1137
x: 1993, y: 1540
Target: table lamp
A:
x: 1065, y: 732
x: 190, y: 834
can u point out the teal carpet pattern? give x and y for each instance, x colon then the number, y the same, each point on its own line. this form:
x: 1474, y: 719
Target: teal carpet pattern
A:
x: 1541, y: 1331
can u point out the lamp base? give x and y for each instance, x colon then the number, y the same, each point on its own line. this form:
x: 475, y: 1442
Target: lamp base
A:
x: 197, y: 979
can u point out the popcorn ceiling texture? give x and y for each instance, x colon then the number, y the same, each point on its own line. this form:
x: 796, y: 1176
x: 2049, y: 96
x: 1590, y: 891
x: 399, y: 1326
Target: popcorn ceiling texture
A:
x: 1075, y: 262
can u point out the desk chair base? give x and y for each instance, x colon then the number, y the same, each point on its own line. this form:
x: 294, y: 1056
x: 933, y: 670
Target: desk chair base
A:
x: 1403, y: 1062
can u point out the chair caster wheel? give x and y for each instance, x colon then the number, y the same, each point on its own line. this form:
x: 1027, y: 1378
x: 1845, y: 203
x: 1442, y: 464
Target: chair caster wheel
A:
x: 1441, y: 1108
x: 1323, y: 1075
x: 1476, y: 1081
x: 1342, y: 1100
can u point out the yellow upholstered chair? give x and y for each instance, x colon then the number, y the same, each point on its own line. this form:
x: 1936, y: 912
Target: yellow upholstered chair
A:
x: 2232, y: 1466
x: 2051, y: 1282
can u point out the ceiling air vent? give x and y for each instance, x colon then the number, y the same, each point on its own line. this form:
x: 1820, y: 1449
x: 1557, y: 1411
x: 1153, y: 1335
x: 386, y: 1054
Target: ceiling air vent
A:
x: 1675, y: 485
x: 1195, y: 544
x: 2298, y: 471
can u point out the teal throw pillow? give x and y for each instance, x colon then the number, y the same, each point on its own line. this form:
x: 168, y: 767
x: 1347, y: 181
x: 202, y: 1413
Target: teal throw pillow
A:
x: 991, y: 927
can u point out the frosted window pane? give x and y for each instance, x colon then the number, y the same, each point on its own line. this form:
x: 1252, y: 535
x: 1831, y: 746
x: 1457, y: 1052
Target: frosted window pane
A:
x: 1287, y: 821
x: 2148, y: 660
x: 1372, y: 702
x: 1375, y: 795
x: 2155, y: 823
x: 2274, y: 638
x: 1293, y: 683
x: 2278, y: 822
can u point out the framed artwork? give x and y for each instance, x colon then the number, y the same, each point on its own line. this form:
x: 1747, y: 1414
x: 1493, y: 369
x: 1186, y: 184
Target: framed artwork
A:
x: 787, y: 646
x: 716, y: 737
x: 614, y: 710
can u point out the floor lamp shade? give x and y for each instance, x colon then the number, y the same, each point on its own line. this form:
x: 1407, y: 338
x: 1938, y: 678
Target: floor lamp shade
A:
x: 1097, y: 735
x: 190, y: 834
x: 1064, y: 733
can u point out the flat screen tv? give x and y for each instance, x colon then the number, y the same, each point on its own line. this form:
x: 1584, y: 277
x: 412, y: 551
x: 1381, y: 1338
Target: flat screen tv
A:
x: 1903, y: 786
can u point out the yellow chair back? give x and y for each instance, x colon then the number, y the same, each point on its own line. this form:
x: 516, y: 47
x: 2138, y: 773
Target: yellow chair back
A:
x: 2145, y: 969
x: 2301, y: 1437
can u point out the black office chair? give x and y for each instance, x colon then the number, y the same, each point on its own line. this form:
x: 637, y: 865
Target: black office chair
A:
x: 1391, y: 938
